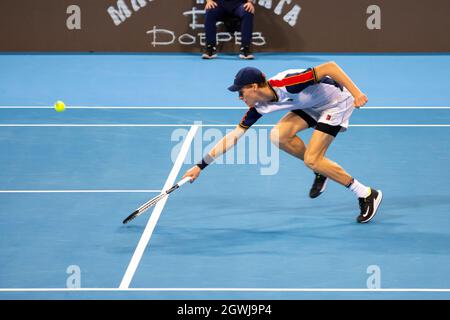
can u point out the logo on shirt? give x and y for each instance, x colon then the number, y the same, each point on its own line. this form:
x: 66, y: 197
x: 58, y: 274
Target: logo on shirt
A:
x: 328, y: 117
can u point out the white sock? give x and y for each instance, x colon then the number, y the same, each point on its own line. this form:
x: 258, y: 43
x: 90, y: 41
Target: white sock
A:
x: 360, y: 190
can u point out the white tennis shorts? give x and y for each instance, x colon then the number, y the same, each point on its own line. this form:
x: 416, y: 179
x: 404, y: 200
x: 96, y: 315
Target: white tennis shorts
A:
x: 337, y: 113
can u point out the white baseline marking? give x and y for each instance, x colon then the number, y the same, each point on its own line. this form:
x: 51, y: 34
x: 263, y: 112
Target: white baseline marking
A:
x: 80, y: 191
x: 223, y: 290
x: 146, y: 235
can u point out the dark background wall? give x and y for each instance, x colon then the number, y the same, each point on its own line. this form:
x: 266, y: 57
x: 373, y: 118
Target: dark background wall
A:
x: 321, y: 26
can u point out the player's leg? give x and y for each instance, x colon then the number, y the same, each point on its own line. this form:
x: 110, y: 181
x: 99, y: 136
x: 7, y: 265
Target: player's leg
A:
x: 315, y: 159
x: 284, y: 134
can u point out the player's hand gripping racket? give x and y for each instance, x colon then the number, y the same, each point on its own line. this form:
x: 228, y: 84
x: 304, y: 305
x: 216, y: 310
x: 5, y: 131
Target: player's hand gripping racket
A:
x: 153, y: 201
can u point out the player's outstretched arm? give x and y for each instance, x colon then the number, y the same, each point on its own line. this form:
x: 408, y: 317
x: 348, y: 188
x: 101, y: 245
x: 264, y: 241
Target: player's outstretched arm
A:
x: 333, y: 70
x: 220, y: 148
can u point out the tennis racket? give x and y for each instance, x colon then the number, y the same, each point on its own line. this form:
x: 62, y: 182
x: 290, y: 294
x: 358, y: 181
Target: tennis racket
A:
x: 153, y: 201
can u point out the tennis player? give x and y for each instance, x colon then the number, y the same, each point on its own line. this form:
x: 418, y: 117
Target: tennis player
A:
x: 322, y: 98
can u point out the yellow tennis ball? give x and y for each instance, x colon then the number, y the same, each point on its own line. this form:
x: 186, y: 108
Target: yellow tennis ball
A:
x: 60, y: 106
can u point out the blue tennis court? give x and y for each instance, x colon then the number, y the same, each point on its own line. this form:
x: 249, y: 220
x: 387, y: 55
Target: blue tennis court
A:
x: 246, y: 229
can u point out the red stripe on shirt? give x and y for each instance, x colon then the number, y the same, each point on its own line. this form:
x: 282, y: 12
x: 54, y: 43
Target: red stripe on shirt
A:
x: 293, y: 80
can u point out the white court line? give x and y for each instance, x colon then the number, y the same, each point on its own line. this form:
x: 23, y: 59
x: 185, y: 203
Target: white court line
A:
x: 202, y: 125
x: 222, y: 290
x: 146, y: 235
x: 80, y: 191
x: 190, y: 108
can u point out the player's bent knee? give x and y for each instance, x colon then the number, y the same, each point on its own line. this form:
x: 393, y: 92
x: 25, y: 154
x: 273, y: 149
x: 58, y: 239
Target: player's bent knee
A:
x: 311, y: 161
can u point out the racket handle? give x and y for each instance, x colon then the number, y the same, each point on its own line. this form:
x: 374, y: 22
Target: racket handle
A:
x: 184, y: 181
